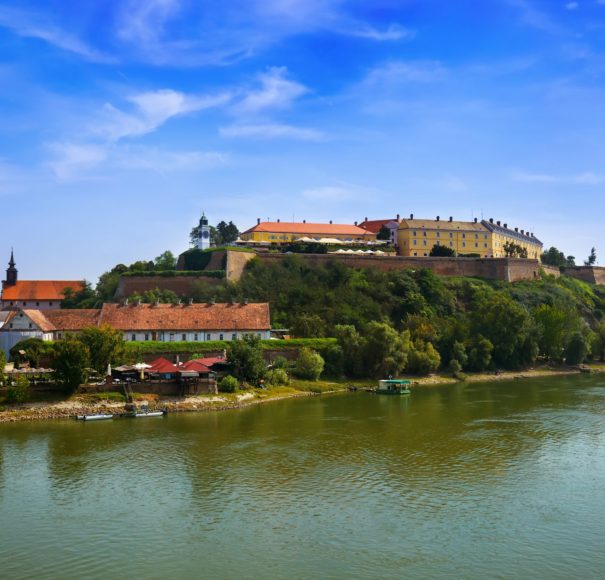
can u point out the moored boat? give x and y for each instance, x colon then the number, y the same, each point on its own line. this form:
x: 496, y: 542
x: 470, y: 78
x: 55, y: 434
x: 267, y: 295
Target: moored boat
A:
x: 97, y: 417
x: 393, y: 387
x: 149, y: 414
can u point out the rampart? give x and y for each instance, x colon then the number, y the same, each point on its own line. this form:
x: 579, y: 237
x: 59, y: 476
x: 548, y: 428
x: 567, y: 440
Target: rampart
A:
x: 591, y: 274
x: 507, y: 269
x: 181, y: 285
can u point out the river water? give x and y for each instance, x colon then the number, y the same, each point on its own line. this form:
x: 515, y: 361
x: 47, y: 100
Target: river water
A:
x: 467, y: 481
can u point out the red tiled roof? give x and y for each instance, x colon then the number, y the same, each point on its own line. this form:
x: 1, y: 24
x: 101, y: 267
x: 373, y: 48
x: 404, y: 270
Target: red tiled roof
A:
x: 303, y: 229
x: 40, y: 289
x: 162, y: 365
x: 375, y: 225
x: 210, y: 361
x: 187, y: 316
x: 76, y: 319
x: 194, y: 365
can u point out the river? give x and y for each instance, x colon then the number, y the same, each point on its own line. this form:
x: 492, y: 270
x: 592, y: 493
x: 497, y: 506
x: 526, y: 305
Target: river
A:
x: 503, y: 479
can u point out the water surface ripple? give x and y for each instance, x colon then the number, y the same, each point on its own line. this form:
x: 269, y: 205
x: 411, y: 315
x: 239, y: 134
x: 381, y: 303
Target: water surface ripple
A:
x: 486, y: 480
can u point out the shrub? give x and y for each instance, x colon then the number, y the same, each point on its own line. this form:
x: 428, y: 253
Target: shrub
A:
x: 18, y: 392
x: 423, y: 358
x: 309, y: 365
x: 228, y: 384
x: 577, y: 350
x: 280, y: 362
x: 277, y: 377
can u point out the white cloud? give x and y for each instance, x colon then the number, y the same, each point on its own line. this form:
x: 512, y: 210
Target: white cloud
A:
x: 152, y: 110
x: 397, y: 72
x: 572, y: 5
x: 276, y: 92
x: 392, y: 32
x: 72, y: 158
x: 30, y: 25
x: 585, y: 178
x: 272, y: 131
x: 534, y: 18
x: 162, y: 161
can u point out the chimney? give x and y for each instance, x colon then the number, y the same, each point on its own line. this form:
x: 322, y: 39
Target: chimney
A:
x: 506, y: 226
x: 278, y: 220
x: 475, y: 220
x: 304, y: 221
x: 437, y: 218
x: 365, y: 219
x: 517, y: 230
x: 411, y: 216
x: 355, y: 223
x: 491, y: 220
x: 498, y: 222
x: 330, y: 221
x: 523, y: 232
x: 257, y: 221
x: 451, y: 219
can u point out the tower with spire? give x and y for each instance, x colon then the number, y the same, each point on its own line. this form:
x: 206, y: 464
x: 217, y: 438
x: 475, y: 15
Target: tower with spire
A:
x: 11, y: 273
x: 202, y: 241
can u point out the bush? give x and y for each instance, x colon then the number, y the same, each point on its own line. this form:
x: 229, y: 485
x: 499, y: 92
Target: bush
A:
x: 280, y: 362
x: 577, y: 350
x: 309, y: 365
x: 277, y: 377
x: 18, y: 392
x: 228, y: 384
x: 423, y: 358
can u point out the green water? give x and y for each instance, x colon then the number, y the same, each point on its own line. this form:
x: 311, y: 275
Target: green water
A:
x: 488, y: 480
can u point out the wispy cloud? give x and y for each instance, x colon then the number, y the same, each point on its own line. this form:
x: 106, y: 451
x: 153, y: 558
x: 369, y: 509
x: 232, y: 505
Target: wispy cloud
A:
x: 272, y: 131
x: 276, y: 92
x: 392, y: 32
x: 534, y: 17
x: 71, y: 159
x: 32, y: 25
x: 585, y: 178
x: 397, y: 72
x: 151, y: 111
x: 572, y: 5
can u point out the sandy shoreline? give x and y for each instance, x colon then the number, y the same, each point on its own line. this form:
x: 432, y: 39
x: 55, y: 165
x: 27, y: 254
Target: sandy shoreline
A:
x: 81, y: 405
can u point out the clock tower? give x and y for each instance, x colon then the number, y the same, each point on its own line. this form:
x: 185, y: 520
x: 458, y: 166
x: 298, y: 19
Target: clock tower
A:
x: 203, y: 231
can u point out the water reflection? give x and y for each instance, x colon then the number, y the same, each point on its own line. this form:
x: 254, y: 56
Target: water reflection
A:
x: 459, y: 480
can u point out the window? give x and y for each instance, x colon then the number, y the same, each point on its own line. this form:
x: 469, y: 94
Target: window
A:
x: 133, y: 337
x: 476, y: 245
x: 425, y: 254
x: 424, y: 234
x: 146, y: 337
x: 438, y: 234
x: 476, y: 236
x: 424, y: 242
x: 485, y: 245
x: 234, y: 337
x: 50, y: 303
x: 30, y: 325
x: 451, y: 244
x: 413, y: 233
x: 415, y: 253
x: 195, y: 337
x: 258, y: 334
x: 11, y: 325
x: 172, y: 337
x: 464, y: 244
x: 184, y: 337
x: 464, y: 235
x: 25, y: 304
x: 208, y: 336
x: 415, y: 242
x: 220, y: 337
x: 37, y: 304
x: 451, y: 235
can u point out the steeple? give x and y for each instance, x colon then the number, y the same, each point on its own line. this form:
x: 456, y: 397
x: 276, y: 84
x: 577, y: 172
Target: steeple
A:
x: 11, y: 272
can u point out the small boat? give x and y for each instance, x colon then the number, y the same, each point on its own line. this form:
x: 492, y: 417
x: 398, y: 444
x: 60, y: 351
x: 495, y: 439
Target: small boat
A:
x: 98, y: 417
x: 139, y: 414
x: 393, y: 387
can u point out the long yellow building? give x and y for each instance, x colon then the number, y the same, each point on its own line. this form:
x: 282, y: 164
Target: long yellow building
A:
x: 486, y: 239
x: 285, y: 232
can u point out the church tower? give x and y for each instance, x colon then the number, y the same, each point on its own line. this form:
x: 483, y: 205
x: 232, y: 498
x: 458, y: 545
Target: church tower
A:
x: 203, y: 234
x: 11, y: 273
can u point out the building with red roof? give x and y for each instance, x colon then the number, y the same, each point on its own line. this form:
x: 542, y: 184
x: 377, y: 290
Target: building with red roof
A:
x: 285, y: 232
x: 40, y: 294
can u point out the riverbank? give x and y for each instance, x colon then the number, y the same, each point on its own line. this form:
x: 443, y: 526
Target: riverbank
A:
x: 113, y: 402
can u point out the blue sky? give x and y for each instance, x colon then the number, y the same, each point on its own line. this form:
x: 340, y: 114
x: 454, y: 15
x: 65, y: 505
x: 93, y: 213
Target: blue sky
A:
x: 121, y: 121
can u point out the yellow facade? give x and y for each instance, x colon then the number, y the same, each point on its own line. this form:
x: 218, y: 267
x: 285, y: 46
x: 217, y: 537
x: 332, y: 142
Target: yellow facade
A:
x: 285, y: 232
x: 416, y: 238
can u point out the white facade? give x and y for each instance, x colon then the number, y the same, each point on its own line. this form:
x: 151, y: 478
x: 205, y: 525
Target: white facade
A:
x: 189, y: 336
x: 203, y: 239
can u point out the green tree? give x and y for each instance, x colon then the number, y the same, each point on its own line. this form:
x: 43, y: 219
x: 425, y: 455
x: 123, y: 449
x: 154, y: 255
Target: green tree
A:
x: 592, y: 258
x: 2, y: 365
x: 480, y: 354
x: 423, y: 358
x: 71, y: 361
x: 277, y: 377
x: 551, y: 322
x: 350, y: 344
x: 459, y: 354
x: 225, y: 233
x: 309, y: 364
x: 577, y: 349
x: 245, y: 358
x: 384, y: 350
x: 105, y: 345
x: 308, y: 326
x: 439, y: 250
x: 28, y: 350
x: 84, y: 298
x: 228, y: 384
x: 513, y: 250
x: 18, y: 390
x: 598, y: 348
x: 165, y: 261
x: 384, y: 233
x: 554, y: 257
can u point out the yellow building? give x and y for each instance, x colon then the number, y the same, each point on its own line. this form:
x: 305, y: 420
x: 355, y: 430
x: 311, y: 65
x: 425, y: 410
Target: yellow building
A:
x: 487, y: 239
x: 416, y: 237
x: 501, y: 235
x: 285, y: 232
